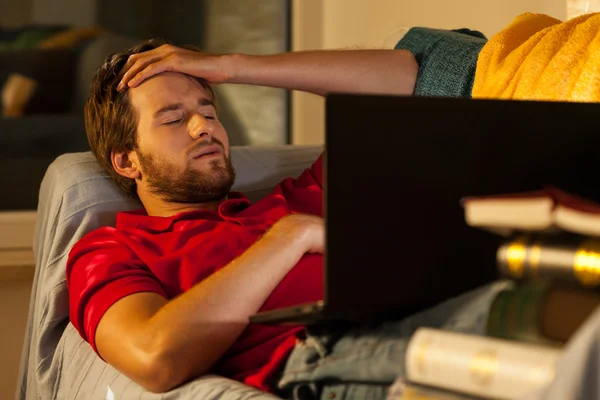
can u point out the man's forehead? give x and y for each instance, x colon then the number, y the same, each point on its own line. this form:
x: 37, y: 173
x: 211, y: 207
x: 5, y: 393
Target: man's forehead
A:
x: 165, y: 88
x: 173, y: 81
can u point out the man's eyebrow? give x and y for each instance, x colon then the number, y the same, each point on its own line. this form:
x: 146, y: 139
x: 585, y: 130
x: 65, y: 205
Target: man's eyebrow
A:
x: 170, y: 107
x: 203, y: 102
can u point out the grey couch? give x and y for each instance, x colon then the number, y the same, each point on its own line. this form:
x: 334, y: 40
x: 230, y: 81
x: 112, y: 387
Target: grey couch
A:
x: 76, y: 196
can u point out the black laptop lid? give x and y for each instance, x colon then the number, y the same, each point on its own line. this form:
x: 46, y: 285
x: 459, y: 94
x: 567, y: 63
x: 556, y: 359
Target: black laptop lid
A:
x: 396, y: 169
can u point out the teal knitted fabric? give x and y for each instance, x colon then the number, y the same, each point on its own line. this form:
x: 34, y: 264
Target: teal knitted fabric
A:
x: 447, y: 60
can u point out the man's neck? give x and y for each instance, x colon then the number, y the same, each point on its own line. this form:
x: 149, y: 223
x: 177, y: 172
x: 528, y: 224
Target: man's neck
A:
x: 159, y: 208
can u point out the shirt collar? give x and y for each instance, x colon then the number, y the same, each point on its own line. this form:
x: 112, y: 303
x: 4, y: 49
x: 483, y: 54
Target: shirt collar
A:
x: 140, y: 219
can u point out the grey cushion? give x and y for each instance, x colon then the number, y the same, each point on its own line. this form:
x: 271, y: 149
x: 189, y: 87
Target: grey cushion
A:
x: 76, y: 196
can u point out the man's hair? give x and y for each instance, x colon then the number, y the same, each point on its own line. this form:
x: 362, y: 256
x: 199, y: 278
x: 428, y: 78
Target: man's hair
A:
x: 110, y: 121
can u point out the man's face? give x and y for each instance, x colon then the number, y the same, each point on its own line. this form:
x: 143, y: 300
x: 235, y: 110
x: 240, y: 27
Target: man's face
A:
x: 183, y: 149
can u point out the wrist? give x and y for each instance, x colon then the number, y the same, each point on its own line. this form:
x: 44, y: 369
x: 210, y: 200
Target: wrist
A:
x: 245, y: 68
x: 234, y: 65
x: 290, y: 236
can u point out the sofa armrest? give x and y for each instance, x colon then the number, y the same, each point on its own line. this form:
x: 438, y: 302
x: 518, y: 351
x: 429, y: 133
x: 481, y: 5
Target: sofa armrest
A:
x: 83, y: 375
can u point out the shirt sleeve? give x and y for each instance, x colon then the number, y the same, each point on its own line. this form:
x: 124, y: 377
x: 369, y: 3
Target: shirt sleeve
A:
x: 305, y: 193
x: 100, y: 271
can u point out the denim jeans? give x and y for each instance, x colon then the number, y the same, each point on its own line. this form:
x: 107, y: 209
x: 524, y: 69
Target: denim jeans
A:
x: 361, y: 362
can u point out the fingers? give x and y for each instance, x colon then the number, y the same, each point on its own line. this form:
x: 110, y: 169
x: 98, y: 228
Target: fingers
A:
x: 135, y: 69
x: 151, y: 70
x: 142, y: 66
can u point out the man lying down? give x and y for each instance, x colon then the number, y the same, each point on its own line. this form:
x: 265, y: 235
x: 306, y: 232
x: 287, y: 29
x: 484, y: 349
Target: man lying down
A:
x: 165, y: 296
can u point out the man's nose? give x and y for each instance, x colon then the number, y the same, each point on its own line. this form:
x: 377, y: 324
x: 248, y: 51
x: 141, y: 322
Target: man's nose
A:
x: 199, y: 127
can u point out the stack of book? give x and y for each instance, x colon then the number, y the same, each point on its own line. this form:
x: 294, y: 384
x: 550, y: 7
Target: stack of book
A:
x: 551, y: 250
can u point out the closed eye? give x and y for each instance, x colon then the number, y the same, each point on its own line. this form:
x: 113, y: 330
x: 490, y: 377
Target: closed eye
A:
x: 209, y: 117
x: 174, y: 122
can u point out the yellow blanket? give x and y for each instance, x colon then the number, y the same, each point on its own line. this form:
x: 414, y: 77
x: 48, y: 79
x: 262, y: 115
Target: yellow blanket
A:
x: 537, y: 57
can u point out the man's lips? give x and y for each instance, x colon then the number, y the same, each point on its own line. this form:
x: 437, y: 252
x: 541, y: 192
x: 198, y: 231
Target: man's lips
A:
x: 206, y: 151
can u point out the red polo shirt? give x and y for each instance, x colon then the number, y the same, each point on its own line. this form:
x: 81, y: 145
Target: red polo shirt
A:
x: 168, y: 255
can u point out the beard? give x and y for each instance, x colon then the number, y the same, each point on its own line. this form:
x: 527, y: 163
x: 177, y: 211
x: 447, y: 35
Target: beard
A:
x: 166, y: 180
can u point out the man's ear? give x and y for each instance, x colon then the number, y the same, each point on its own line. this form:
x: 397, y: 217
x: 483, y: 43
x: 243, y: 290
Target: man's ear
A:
x: 126, y: 164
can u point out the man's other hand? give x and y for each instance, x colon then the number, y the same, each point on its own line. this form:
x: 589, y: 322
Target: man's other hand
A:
x: 308, y: 229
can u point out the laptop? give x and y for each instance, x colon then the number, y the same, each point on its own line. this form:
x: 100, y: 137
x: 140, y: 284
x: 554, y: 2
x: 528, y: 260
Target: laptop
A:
x: 395, y: 171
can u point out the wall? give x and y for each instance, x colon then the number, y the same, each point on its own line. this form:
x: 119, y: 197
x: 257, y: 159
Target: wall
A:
x: 153, y: 18
x: 251, y: 114
x: 14, y: 13
x: 68, y: 12
x: 329, y: 24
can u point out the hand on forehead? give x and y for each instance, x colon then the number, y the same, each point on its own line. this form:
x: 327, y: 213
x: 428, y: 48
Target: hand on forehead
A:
x: 165, y: 90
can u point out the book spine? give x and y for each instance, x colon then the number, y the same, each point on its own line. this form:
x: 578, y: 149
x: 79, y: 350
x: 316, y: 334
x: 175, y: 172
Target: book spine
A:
x: 540, y: 313
x: 569, y: 259
x: 516, y: 314
x: 478, y: 366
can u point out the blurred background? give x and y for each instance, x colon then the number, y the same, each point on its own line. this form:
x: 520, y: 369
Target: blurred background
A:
x: 60, y: 44
x: 55, y: 46
x: 49, y: 50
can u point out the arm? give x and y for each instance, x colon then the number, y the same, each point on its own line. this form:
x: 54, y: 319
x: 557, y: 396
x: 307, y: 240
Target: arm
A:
x: 160, y: 344
x: 319, y: 71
